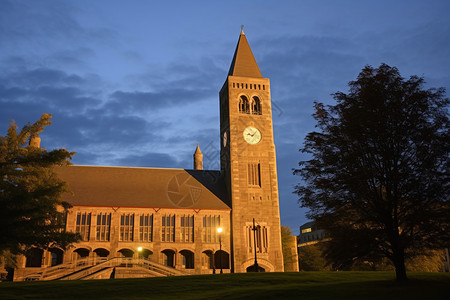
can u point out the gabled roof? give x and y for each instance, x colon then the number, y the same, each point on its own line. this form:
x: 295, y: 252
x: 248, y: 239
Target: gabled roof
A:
x: 244, y: 63
x: 144, y: 187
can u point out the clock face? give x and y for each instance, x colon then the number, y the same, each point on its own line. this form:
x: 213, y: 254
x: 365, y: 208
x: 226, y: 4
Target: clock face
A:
x: 252, y: 135
x: 225, y: 139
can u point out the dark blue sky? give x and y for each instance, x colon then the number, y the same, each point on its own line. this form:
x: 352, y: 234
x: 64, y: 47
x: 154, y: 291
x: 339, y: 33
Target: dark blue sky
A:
x: 136, y: 83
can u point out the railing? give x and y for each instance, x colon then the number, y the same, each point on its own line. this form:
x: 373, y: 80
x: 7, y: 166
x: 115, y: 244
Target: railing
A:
x: 126, y: 262
x: 85, y: 267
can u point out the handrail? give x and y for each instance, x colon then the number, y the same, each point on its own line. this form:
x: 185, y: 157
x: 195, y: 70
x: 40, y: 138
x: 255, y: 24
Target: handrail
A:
x: 85, y: 267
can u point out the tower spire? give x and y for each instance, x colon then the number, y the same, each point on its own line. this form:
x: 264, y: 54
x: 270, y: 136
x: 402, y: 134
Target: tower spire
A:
x: 244, y: 63
x: 198, y: 158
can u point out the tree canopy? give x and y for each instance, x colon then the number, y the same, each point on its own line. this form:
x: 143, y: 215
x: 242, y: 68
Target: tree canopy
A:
x: 378, y: 178
x: 32, y: 213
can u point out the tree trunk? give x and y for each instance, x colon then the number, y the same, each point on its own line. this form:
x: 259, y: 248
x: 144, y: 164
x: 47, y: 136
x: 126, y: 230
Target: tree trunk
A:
x: 399, y: 263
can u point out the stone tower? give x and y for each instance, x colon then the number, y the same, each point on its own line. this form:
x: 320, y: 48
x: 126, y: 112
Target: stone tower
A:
x: 198, y: 159
x: 249, y: 163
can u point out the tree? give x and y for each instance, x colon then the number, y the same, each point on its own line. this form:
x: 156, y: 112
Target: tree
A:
x: 378, y: 178
x: 32, y: 213
x: 311, y: 258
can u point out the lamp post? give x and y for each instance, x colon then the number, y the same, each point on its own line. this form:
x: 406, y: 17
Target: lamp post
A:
x: 254, y: 228
x: 139, y: 252
x: 219, y: 230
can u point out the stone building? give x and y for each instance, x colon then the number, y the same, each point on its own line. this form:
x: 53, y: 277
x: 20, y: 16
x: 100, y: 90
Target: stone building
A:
x: 139, y: 222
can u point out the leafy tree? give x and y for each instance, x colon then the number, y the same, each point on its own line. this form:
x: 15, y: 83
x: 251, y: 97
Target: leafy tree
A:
x: 32, y: 213
x: 311, y: 258
x: 378, y: 178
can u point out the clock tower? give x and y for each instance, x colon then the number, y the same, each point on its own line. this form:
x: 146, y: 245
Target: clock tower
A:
x: 248, y: 162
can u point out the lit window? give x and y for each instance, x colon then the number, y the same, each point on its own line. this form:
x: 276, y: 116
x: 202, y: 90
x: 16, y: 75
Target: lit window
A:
x: 210, y: 225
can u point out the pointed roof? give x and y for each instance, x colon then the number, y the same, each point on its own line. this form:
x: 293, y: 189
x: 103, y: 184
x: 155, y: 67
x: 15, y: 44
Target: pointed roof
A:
x: 197, y: 150
x: 244, y: 63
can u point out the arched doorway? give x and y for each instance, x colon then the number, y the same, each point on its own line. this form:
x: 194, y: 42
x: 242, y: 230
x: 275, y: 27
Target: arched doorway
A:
x: 56, y: 255
x: 221, y: 260
x: 188, y: 259
x: 101, y: 252
x: 208, y: 259
x: 253, y: 268
x: 169, y: 258
x: 126, y: 252
x: 34, y: 258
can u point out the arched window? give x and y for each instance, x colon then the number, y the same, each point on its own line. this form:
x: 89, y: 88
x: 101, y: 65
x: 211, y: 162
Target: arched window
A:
x: 256, y: 106
x: 243, y: 105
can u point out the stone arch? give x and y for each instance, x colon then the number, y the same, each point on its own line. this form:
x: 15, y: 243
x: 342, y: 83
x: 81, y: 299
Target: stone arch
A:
x: 208, y: 259
x: 101, y: 252
x: 56, y: 255
x: 125, y: 252
x: 168, y: 257
x: 256, y: 105
x: 34, y: 258
x: 145, y: 253
x: 187, y: 259
x: 262, y: 263
x: 82, y: 252
x: 221, y: 259
x: 244, y: 106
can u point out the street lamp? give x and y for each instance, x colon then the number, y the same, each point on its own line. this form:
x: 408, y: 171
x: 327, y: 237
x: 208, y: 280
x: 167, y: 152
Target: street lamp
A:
x: 219, y: 230
x: 254, y: 228
x: 139, y: 252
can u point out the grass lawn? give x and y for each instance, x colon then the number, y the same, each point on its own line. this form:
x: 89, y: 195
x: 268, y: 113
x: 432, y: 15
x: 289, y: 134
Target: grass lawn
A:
x: 304, y: 285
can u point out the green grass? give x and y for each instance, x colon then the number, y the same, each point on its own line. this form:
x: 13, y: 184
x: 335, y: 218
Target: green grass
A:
x: 304, y: 285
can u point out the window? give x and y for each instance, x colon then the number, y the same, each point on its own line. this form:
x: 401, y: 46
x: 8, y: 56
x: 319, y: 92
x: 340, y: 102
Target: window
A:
x: 168, y: 228
x: 254, y: 175
x: 243, y: 105
x: 210, y: 225
x: 187, y: 228
x: 306, y: 230
x: 83, y: 226
x: 256, y: 106
x: 146, y: 228
x: 262, y: 241
x: 103, y: 226
x: 126, y: 227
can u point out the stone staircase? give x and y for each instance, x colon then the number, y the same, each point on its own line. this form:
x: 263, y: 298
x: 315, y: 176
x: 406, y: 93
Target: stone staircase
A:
x: 102, y: 268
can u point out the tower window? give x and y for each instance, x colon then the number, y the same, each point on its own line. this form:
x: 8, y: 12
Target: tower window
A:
x: 261, y: 235
x: 256, y: 106
x: 254, y: 175
x: 233, y: 84
x: 244, y: 105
